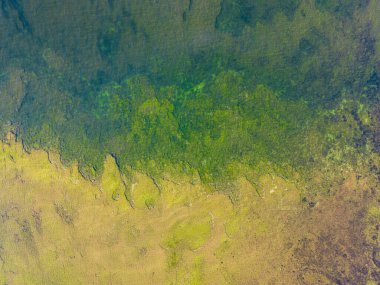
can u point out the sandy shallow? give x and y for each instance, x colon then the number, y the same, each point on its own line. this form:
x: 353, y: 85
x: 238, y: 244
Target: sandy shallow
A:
x: 58, y: 228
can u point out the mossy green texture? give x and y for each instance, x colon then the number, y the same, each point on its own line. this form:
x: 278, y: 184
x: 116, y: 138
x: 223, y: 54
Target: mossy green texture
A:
x: 221, y: 85
x: 190, y: 235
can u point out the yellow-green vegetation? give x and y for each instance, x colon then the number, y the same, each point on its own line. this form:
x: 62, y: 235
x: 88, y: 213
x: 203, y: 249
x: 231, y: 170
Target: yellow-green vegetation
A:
x: 187, y: 235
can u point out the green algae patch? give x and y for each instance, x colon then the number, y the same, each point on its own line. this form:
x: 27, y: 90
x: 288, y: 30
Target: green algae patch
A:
x: 197, y: 271
x: 145, y: 193
x: 111, y: 181
x: 233, y: 226
x: 374, y: 214
x: 189, y: 235
x: 192, y: 273
x: 114, y: 184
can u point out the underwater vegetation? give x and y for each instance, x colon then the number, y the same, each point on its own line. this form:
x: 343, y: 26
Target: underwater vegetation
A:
x: 236, y: 97
x: 234, y: 15
x: 244, y: 82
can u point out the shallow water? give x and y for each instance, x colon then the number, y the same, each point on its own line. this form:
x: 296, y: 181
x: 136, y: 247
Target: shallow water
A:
x: 214, y: 91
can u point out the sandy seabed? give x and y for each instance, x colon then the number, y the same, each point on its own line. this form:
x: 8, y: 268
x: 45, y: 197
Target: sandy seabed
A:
x: 58, y: 228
